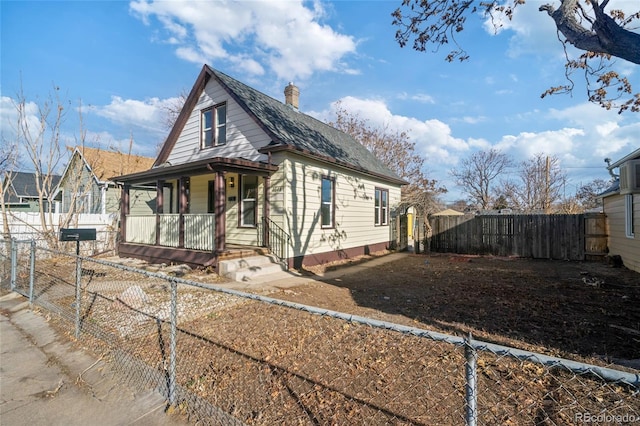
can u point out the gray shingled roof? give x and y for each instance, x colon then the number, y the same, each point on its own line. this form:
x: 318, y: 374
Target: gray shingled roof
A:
x: 291, y: 128
x: 23, y: 185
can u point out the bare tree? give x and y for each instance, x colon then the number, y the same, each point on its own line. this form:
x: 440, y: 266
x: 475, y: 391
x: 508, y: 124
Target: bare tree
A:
x: 478, y: 172
x: 539, y: 187
x: 460, y: 205
x: 37, y: 134
x: 8, y: 161
x: 396, y: 150
x: 581, y: 23
x: 9, y: 156
x: 587, y: 195
x: 172, y: 109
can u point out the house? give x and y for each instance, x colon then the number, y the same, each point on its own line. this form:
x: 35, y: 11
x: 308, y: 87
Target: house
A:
x: 622, y: 208
x: 21, y: 192
x: 86, y: 185
x: 242, y: 170
x: 448, y: 212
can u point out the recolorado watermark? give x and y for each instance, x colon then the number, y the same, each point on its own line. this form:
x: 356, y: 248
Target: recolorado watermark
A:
x: 603, y: 418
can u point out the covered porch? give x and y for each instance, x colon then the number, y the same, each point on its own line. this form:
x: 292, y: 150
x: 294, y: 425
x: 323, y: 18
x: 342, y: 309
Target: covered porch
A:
x: 204, y: 211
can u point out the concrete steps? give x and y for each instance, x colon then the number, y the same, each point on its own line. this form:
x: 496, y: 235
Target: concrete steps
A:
x: 250, y: 268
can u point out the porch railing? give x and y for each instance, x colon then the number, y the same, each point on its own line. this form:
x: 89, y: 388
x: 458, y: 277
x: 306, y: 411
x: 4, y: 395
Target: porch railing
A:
x: 275, y: 239
x: 169, y: 230
x: 141, y: 229
x: 199, y: 230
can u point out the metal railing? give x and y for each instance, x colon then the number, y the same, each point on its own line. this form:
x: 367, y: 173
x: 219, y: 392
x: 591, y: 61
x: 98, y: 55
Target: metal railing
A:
x: 276, y: 239
x: 228, y: 357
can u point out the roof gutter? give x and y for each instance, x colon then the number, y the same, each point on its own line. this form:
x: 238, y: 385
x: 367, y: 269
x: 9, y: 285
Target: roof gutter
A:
x: 198, y: 168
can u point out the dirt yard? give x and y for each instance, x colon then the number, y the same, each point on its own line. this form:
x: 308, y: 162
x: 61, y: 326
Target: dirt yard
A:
x: 273, y: 363
x: 555, y: 307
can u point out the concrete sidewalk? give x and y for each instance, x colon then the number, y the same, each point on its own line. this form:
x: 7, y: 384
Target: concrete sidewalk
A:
x: 45, y: 380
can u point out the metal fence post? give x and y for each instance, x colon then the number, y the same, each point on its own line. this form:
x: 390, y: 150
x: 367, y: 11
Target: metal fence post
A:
x: 78, y: 282
x: 32, y: 271
x: 172, y: 342
x: 471, y: 385
x: 14, y: 263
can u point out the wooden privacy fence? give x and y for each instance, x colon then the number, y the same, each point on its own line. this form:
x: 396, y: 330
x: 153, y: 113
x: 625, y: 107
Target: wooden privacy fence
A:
x: 539, y: 236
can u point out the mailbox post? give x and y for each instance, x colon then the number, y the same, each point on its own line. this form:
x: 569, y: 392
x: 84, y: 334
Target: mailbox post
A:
x: 77, y: 235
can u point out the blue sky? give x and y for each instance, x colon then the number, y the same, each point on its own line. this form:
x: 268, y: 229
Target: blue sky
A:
x: 125, y: 60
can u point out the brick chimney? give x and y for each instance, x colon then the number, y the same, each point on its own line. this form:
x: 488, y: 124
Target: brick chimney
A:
x: 291, y: 95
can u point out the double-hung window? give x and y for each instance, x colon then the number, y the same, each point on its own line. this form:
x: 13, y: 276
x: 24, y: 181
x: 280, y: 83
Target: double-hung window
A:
x: 249, y: 188
x: 381, y: 207
x: 327, y: 202
x: 214, y: 126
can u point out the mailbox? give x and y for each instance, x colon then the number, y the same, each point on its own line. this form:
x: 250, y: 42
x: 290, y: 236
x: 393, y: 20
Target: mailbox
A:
x: 77, y: 234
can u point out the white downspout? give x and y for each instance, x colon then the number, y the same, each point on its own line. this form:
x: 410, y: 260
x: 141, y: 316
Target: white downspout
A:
x: 103, y: 199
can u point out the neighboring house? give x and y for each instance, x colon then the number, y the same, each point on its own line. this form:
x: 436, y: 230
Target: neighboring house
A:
x: 21, y: 194
x: 448, y: 212
x: 86, y: 185
x: 240, y: 169
x: 622, y: 207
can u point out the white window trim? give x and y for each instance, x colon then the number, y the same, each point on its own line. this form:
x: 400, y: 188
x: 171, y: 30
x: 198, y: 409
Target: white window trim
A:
x: 215, y: 128
x: 253, y: 200
x: 378, y: 210
x: 330, y: 203
x: 628, y: 216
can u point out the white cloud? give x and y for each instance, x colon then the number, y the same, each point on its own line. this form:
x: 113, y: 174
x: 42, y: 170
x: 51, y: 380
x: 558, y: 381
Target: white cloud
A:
x: 147, y: 114
x: 579, y: 136
x: 287, y: 36
x: 470, y: 120
x: 422, y: 98
x: 552, y: 142
x: 433, y: 138
x: 532, y: 31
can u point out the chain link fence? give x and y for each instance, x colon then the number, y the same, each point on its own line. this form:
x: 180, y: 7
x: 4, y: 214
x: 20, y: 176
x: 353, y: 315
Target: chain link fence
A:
x: 226, y: 357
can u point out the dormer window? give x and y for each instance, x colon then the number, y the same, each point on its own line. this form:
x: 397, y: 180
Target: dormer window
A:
x: 214, y: 126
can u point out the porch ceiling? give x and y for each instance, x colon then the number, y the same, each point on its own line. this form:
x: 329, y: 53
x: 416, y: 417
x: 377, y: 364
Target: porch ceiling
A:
x: 200, y: 167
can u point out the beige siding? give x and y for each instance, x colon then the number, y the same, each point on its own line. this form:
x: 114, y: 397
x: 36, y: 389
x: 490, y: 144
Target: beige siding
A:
x: 619, y: 243
x: 354, y: 206
x: 141, y: 201
x: 234, y: 233
x: 244, y: 136
x: 198, y: 189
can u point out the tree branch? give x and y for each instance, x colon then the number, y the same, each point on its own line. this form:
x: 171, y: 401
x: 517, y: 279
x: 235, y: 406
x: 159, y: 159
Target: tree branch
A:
x: 605, y: 36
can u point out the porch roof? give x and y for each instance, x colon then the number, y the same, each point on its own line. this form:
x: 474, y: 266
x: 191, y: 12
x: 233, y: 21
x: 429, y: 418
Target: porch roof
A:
x: 200, y: 167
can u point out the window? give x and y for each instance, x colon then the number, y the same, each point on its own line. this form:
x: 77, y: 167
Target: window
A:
x: 249, y: 186
x: 628, y: 215
x: 327, y: 202
x: 214, y: 126
x: 381, y: 208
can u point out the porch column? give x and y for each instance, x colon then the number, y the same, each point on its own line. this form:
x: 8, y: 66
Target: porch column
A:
x: 220, y: 194
x: 184, y: 201
x: 159, y: 207
x: 265, y: 212
x: 124, y: 211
